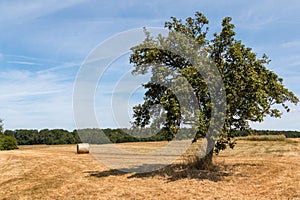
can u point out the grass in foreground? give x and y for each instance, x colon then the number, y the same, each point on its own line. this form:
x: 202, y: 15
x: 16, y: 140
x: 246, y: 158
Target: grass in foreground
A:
x: 253, y: 170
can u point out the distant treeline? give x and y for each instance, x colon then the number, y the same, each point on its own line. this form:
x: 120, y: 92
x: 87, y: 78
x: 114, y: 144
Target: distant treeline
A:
x: 288, y: 134
x: 45, y: 136
x: 93, y: 136
x: 102, y: 136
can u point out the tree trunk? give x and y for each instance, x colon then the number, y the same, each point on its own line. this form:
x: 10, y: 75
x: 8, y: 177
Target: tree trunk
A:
x: 204, y: 159
x: 210, y: 149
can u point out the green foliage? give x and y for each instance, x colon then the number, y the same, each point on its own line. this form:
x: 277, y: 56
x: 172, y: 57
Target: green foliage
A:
x: 251, y: 89
x: 45, y: 136
x: 1, y: 126
x: 7, y: 143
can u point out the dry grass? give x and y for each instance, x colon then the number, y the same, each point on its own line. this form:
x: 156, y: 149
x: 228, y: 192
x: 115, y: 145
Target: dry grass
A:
x: 253, y: 170
x: 263, y: 138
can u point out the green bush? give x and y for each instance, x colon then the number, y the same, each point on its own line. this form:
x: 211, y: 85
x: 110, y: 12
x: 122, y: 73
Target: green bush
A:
x: 8, y: 143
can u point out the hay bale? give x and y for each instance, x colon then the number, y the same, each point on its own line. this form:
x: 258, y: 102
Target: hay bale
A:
x: 83, y: 148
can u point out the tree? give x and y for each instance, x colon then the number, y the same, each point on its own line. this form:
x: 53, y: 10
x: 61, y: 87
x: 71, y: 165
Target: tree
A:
x: 251, y: 89
x: 1, y: 126
x: 7, y: 142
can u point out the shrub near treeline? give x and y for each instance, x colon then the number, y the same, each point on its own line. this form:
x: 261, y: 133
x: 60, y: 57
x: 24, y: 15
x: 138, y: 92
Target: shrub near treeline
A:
x: 7, y: 143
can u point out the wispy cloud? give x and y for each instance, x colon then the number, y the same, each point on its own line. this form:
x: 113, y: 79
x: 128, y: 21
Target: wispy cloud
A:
x: 24, y: 92
x: 21, y: 62
x: 21, y: 11
x: 291, y: 44
x: 28, y: 94
x: 288, y: 121
x: 30, y: 59
x: 60, y: 67
x: 254, y: 23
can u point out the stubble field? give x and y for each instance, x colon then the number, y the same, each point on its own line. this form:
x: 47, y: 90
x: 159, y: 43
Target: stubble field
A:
x: 253, y: 170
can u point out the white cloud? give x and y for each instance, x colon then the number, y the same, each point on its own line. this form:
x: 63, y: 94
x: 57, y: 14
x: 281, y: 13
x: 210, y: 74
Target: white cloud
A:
x: 13, y: 75
x: 288, y: 121
x: 35, y: 100
x: 28, y: 10
x: 31, y: 59
x: 60, y: 67
x: 21, y: 62
x: 291, y: 44
x: 28, y: 94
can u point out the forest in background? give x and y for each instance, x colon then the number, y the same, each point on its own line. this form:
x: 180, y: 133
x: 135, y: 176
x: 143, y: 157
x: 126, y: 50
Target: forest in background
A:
x: 97, y: 136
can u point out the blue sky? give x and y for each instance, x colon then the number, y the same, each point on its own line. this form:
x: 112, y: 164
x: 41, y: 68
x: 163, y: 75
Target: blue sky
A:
x: 43, y: 44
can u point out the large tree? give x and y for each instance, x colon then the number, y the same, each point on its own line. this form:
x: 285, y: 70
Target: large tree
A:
x: 251, y: 90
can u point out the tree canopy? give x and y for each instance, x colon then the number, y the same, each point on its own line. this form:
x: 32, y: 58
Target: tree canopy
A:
x: 251, y: 90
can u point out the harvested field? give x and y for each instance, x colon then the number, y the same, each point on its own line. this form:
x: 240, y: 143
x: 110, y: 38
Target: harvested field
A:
x: 253, y: 170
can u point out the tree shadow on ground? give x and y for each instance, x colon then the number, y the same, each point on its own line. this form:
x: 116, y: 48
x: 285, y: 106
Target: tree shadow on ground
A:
x: 171, y: 173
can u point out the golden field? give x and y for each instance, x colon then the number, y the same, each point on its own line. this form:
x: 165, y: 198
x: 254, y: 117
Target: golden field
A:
x: 252, y: 170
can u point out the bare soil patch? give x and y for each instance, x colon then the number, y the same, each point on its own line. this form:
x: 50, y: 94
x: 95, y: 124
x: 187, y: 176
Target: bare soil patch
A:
x: 253, y: 170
